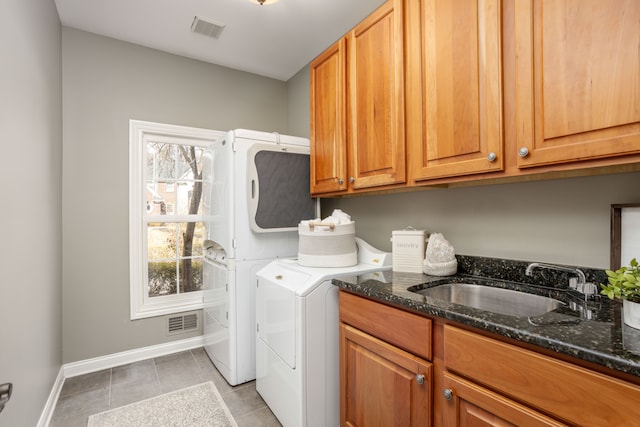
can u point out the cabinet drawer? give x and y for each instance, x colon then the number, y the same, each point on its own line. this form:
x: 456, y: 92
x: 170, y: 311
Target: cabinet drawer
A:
x: 561, y: 389
x: 408, y: 331
x: 473, y: 405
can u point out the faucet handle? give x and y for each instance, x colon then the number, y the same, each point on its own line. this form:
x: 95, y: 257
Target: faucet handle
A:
x: 590, y: 288
x: 587, y: 288
x: 573, y: 283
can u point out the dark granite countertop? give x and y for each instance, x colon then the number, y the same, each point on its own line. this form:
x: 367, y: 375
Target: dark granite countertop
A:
x: 591, y: 331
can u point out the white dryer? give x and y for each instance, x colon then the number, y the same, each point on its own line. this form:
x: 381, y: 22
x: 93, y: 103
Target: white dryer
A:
x: 297, y: 360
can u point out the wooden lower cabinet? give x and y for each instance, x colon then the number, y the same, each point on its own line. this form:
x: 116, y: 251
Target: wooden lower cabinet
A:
x: 381, y: 385
x: 468, y: 404
x: 562, y: 390
x: 399, y: 368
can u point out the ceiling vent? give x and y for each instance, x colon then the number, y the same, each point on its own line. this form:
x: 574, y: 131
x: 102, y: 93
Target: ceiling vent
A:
x: 179, y: 324
x: 207, y: 26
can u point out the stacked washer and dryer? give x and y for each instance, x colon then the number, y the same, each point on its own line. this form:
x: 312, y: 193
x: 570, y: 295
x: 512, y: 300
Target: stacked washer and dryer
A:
x: 255, y: 192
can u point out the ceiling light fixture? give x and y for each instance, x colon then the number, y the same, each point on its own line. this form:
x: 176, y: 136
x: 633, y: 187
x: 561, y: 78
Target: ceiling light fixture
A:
x: 263, y: 2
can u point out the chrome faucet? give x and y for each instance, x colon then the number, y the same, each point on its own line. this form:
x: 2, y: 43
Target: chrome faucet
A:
x: 581, y: 285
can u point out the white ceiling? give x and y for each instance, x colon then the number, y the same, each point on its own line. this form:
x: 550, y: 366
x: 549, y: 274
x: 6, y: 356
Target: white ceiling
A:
x: 274, y: 40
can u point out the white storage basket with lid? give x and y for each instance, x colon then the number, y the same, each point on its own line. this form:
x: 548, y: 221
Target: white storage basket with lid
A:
x: 327, y: 244
x: 408, y: 248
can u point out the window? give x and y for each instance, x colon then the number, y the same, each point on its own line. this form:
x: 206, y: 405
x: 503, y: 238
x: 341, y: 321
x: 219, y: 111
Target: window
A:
x: 165, y: 219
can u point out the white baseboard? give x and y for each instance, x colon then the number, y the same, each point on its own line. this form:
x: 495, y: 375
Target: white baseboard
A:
x: 50, y: 406
x: 109, y: 361
x: 95, y: 364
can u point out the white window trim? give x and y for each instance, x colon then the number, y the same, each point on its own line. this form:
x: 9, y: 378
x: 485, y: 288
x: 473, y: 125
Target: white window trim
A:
x: 141, y: 305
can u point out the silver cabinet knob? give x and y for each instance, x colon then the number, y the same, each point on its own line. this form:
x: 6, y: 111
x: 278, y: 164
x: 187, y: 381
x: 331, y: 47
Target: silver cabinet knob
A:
x: 492, y: 156
x: 447, y: 393
x: 523, y: 152
x: 420, y: 378
x: 340, y: 181
x: 352, y: 180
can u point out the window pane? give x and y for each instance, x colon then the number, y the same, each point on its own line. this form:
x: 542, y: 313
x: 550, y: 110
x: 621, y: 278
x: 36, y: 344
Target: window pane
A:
x: 174, y: 184
x: 175, y: 257
x: 161, y: 241
x: 191, y: 275
x: 161, y: 161
x: 185, y: 202
x: 162, y: 278
x: 191, y: 238
x: 188, y: 157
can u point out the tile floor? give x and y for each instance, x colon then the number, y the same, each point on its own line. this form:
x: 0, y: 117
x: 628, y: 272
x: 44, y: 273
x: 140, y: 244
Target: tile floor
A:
x: 89, y: 394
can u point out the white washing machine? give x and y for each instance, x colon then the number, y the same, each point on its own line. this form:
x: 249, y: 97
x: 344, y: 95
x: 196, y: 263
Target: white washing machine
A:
x: 297, y: 360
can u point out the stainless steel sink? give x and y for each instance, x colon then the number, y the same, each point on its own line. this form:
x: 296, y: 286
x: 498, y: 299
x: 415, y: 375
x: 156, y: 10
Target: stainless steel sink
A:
x: 495, y: 300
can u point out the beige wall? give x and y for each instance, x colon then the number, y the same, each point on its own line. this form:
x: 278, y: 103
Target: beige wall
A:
x: 30, y: 182
x: 298, y: 116
x: 105, y: 83
x: 559, y: 221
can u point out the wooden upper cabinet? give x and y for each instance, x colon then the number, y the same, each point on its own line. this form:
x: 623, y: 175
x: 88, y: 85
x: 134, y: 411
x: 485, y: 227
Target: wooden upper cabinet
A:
x: 376, y: 98
x: 578, y: 79
x: 328, y: 168
x: 454, y: 88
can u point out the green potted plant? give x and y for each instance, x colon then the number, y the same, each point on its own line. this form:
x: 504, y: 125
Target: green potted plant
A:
x: 624, y: 284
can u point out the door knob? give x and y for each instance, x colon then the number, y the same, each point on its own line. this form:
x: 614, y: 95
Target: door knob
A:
x: 523, y: 152
x: 420, y: 378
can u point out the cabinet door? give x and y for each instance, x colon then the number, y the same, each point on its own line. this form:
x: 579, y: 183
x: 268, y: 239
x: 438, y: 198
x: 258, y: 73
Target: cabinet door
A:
x: 328, y: 138
x: 578, y: 79
x: 376, y: 100
x: 379, y: 383
x: 460, y: 47
x: 468, y: 404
